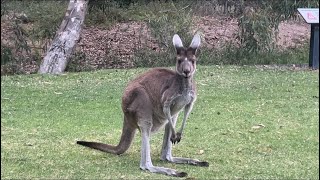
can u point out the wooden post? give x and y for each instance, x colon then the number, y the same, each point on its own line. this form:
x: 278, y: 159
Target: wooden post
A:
x: 314, y: 47
x: 65, y: 40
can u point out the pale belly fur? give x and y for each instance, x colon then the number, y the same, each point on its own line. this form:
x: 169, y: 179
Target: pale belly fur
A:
x: 178, y: 104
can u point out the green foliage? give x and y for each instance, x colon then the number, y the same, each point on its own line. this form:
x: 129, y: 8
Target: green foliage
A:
x: 229, y: 55
x: 34, y: 24
x: 105, y: 13
x: 20, y: 38
x: 6, y: 54
x: 164, y: 19
x: 236, y: 56
x: 147, y: 58
x: 259, y: 22
x: 256, y: 31
x: 167, y: 19
x: 287, y: 9
x: 46, y: 16
x: 77, y: 63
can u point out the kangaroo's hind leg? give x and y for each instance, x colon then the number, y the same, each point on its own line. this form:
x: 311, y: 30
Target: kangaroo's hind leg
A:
x: 143, y: 116
x: 146, y: 163
x: 167, y: 155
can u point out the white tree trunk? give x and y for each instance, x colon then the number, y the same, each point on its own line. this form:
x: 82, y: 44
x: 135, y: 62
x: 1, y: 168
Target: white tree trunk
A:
x: 56, y: 59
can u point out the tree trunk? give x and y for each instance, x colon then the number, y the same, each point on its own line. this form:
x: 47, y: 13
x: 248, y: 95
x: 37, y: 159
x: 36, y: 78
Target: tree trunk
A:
x: 65, y: 40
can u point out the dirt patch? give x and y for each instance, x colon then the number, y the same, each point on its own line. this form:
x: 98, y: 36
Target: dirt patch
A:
x: 219, y: 30
x: 216, y: 31
x: 114, y: 47
x: 293, y: 33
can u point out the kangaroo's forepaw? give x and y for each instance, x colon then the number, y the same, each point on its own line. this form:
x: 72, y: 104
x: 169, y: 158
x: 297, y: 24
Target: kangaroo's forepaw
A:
x: 175, y: 138
x: 178, y: 137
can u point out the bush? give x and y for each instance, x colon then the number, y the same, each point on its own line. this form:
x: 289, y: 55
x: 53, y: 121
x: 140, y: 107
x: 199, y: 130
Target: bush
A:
x: 258, y: 24
x: 259, y: 21
x: 6, y: 54
x: 166, y: 19
x: 148, y: 58
x: 236, y: 56
x: 33, y: 24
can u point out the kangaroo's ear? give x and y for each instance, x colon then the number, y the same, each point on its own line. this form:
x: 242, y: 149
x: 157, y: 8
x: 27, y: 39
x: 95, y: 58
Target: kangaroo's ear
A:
x: 195, y: 43
x: 177, y: 43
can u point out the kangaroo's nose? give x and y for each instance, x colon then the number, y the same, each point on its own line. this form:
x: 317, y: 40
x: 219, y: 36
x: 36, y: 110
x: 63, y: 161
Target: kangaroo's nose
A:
x: 186, y: 71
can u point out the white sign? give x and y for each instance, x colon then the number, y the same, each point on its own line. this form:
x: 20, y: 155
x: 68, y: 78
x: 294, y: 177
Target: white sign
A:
x: 311, y: 15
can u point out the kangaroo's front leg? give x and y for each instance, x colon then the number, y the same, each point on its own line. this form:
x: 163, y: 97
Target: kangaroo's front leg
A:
x: 146, y: 163
x: 167, y: 155
x: 170, y: 124
x: 187, y: 110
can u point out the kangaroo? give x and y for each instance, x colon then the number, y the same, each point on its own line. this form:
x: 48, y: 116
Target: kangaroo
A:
x: 153, y: 100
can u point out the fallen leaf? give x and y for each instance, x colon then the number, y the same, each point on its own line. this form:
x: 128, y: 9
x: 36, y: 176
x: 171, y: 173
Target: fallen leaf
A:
x: 201, y: 152
x: 258, y: 126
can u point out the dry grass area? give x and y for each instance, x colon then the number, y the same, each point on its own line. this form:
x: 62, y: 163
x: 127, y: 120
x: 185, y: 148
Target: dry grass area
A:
x: 120, y: 41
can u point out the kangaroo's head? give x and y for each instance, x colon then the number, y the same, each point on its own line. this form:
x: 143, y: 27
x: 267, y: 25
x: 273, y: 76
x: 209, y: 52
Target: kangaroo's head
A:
x: 186, y: 57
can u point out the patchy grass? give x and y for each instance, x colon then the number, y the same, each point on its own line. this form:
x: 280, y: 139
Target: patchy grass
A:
x: 249, y: 123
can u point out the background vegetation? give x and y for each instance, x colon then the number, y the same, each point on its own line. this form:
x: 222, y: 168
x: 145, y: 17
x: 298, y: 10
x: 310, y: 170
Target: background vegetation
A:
x: 35, y: 23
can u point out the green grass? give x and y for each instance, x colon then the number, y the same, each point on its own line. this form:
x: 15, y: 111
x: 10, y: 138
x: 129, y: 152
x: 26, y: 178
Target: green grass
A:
x: 43, y: 116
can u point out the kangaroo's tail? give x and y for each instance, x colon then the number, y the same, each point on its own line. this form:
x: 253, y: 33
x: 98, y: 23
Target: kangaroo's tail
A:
x: 127, y: 136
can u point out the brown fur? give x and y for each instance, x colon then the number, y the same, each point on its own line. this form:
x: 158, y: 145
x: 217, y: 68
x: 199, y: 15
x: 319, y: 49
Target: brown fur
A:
x: 153, y: 100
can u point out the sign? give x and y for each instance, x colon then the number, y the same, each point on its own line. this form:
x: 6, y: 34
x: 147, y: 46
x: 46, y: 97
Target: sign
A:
x: 310, y: 15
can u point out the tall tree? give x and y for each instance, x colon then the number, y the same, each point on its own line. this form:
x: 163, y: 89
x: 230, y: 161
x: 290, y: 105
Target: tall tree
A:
x: 65, y: 40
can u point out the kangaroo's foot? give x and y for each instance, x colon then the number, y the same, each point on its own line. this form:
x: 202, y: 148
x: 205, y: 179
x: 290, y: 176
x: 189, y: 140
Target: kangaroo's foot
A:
x: 146, y: 163
x: 180, y: 160
x: 162, y: 170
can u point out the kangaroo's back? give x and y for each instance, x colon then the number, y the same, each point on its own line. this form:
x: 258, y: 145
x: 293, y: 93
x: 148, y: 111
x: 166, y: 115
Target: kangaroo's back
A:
x: 154, y: 82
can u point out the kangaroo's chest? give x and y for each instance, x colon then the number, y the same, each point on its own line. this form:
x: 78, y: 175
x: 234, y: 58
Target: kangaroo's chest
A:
x: 181, y: 100
x: 176, y: 103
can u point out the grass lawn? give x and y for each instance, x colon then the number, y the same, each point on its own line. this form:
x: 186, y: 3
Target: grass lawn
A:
x: 247, y: 123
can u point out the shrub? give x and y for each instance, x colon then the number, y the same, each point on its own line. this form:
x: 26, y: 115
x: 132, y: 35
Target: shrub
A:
x: 259, y: 21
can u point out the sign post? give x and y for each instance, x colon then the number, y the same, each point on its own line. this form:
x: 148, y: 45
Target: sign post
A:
x: 311, y: 16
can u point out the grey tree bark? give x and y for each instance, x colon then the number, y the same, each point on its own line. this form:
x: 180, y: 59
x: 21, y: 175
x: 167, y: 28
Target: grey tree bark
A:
x: 65, y: 40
